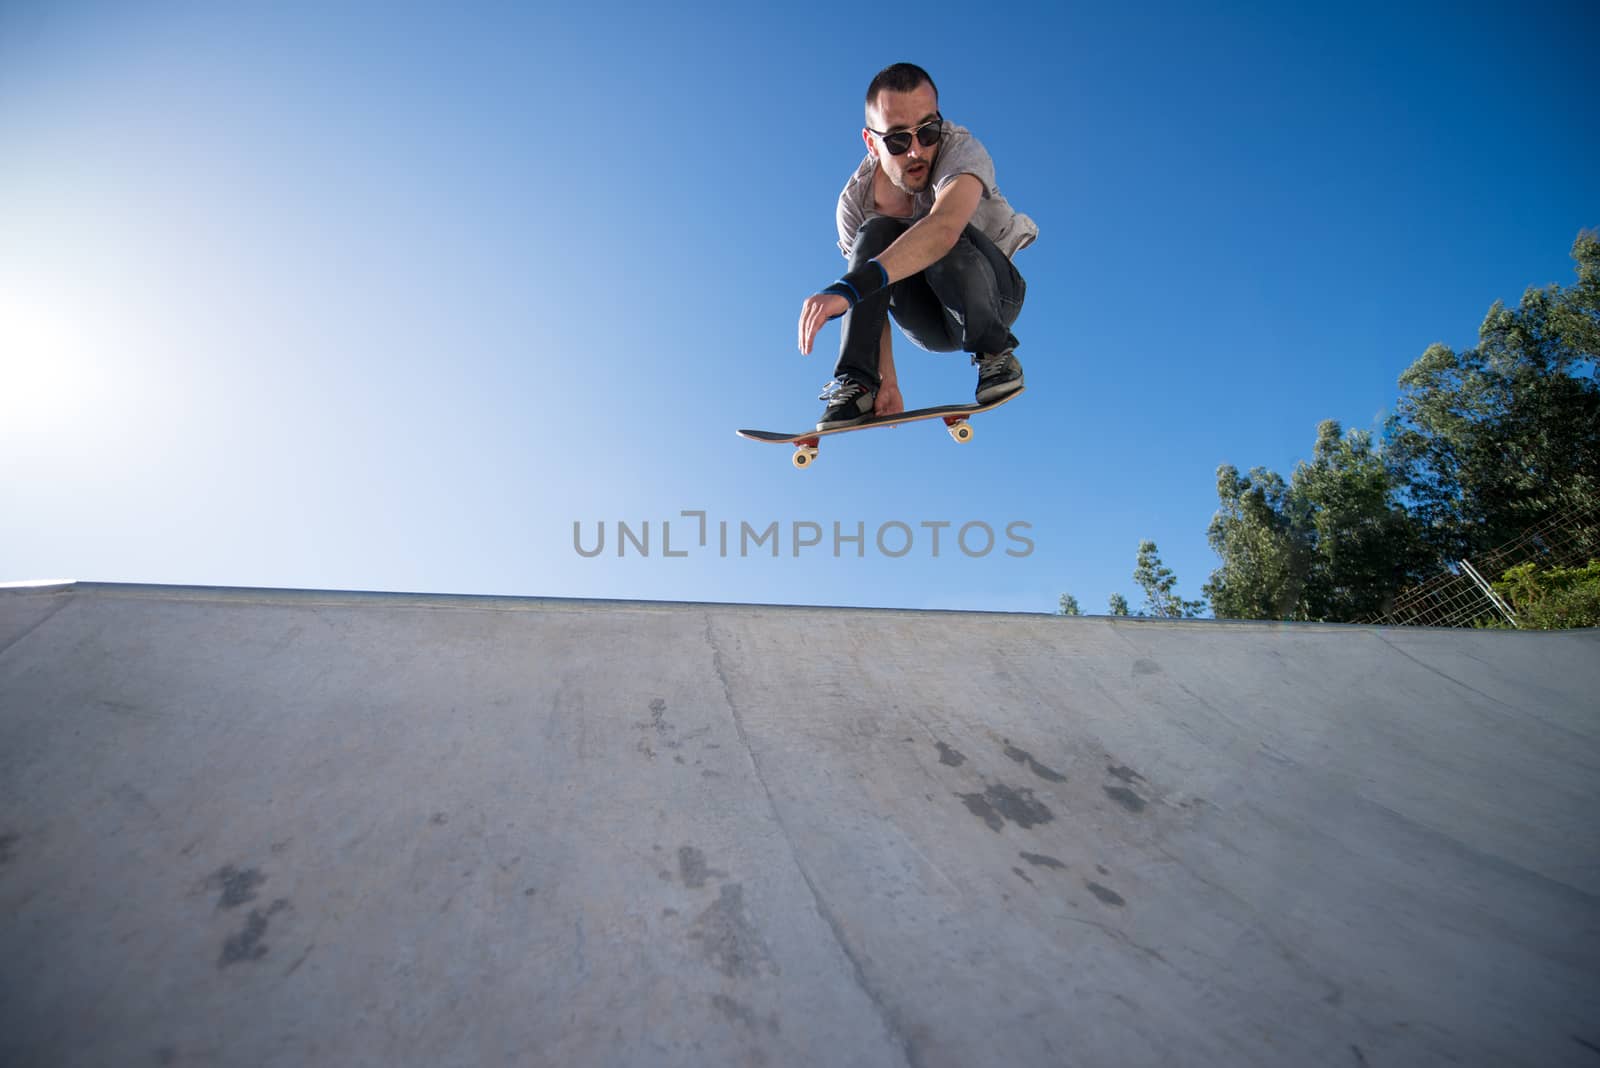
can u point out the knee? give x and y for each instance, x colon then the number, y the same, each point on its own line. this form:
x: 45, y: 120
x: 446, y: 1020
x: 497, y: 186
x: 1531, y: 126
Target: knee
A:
x: 963, y: 265
x: 875, y: 235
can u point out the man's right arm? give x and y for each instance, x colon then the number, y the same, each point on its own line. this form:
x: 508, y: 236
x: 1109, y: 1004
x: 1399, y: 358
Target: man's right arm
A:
x: 848, y: 217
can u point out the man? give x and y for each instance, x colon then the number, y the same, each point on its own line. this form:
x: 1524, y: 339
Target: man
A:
x: 929, y: 239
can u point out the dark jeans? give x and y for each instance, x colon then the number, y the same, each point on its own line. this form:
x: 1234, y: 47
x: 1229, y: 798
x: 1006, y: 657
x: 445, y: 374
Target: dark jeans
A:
x: 966, y: 302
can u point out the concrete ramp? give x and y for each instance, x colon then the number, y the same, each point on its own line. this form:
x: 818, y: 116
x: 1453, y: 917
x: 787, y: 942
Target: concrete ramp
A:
x: 291, y: 828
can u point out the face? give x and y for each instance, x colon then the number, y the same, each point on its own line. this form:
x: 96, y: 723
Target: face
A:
x: 911, y: 171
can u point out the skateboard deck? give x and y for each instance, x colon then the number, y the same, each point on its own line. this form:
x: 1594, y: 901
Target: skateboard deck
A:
x: 954, y: 416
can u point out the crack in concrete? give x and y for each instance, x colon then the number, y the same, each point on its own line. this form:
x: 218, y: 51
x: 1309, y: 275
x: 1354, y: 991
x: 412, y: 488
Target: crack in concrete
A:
x: 885, y: 1013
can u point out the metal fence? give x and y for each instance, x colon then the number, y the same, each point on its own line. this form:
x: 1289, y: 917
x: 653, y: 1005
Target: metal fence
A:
x: 1464, y: 597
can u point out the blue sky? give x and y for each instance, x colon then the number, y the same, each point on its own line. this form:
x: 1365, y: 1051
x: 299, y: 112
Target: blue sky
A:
x: 390, y: 296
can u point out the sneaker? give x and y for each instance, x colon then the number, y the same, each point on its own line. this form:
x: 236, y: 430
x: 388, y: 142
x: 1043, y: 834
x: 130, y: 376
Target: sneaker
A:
x: 999, y: 375
x: 849, y: 403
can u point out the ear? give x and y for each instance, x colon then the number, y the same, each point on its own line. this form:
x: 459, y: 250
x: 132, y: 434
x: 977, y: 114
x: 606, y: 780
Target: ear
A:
x: 872, y: 145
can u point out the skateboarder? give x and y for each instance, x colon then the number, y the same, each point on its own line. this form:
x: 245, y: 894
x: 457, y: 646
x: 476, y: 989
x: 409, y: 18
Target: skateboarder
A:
x: 929, y: 239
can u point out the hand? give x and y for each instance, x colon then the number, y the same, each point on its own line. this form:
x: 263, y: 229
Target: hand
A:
x: 818, y: 309
x: 889, y: 401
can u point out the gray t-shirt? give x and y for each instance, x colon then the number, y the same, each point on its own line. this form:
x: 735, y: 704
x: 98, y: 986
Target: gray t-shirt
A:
x: 959, y: 153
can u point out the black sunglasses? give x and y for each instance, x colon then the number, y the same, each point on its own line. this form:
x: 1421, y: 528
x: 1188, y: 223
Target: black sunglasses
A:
x: 928, y: 135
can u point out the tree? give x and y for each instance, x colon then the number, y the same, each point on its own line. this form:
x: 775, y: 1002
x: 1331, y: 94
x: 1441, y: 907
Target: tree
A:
x: 1069, y: 606
x: 1334, y: 543
x: 1365, y: 546
x: 1158, y: 584
x: 1502, y: 436
x: 1261, y: 541
x: 1483, y: 444
x: 1119, y: 605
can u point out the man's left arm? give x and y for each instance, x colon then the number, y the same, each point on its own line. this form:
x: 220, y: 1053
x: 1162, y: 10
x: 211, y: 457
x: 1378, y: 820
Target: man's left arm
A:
x: 935, y: 234
x: 927, y: 242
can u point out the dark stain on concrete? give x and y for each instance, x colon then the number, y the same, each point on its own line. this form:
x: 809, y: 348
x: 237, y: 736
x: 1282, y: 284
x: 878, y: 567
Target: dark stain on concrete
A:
x: 8, y: 847
x: 1000, y: 802
x: 665, y: 732
x: 1024, y: 876
x: 658, y: 715
x: 1127, y: 775
x: 979, y: 806
x: 692, y: 868
x: 1143, y: 666
x: 1126, y: 798
x: 1022, y: 756
x: 950, y: 757
x: 247, y: 945
x: 238, y: 887
x: 727, y: 938
x: 1039, y: 860
x: 1105, y: 894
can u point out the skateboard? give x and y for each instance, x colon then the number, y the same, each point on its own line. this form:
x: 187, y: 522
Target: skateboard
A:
x: 954, y: 416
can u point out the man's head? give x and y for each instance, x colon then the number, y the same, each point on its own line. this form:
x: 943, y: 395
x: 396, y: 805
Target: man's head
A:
x: 903, y: 113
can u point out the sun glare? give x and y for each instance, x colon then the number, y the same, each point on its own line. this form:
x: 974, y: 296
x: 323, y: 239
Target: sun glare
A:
x: 46, y: 368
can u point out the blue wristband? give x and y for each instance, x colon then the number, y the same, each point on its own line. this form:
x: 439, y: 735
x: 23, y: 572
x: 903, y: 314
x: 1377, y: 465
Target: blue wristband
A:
x: 860, y: 283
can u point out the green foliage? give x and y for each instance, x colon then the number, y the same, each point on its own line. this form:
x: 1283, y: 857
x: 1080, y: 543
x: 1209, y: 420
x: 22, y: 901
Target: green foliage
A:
x: 1334, y: 544
x: 1490, y: 441
x: 1258, y: 534
x: 1158, y: 584
x: 1069, y: 606
x: 1554, y: 599
x: 1483, y: 445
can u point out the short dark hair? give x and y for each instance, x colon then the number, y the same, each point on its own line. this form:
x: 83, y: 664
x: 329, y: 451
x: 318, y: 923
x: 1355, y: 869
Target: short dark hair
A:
x: 899, y: 78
